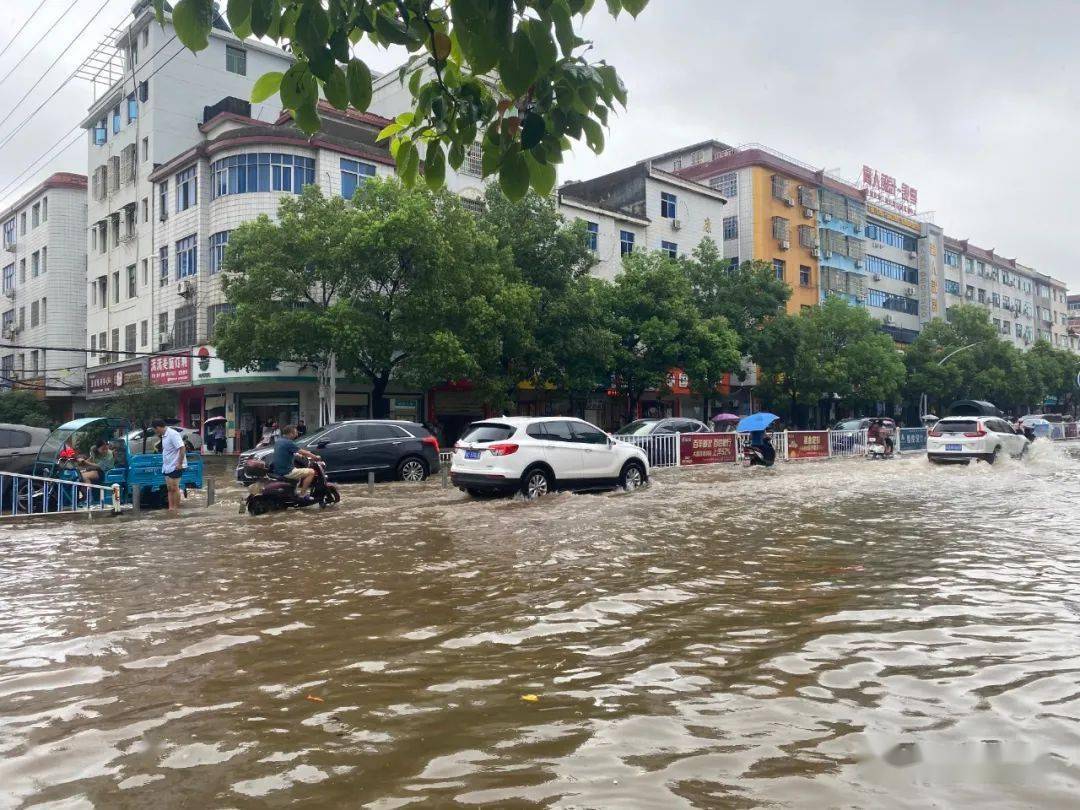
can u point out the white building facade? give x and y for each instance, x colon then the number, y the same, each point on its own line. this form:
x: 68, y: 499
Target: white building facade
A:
x: 43, y: 270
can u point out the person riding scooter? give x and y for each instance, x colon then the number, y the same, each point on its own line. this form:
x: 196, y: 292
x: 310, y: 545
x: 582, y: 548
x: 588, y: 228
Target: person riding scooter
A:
x: 760, y: 451
x: 285, y: 452
x: 878, y: 433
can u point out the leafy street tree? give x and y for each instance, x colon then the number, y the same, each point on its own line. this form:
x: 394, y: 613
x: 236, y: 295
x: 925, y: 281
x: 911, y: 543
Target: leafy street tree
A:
x: 397, y: 285
x: 514, y: 73
x: 659, y: 326
x: 836, y: 350
x: 23, y: 408
x: 568, y: 344
x: 747, y: 296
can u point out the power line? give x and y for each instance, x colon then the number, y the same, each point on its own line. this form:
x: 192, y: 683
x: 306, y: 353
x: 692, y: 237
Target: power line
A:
x: 47, y: 157
x: 15, y: 36
x: 59, y: 56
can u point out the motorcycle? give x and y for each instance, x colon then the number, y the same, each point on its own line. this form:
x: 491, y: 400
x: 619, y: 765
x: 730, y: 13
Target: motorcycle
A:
x: 759, y: 455
x: 877, y: 449
x: 268, y: 493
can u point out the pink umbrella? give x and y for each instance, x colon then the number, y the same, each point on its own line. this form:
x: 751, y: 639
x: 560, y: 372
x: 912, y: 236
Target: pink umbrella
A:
x: 725, y: 417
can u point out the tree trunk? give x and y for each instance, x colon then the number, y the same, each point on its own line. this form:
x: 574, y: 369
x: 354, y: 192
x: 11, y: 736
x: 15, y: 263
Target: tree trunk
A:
x: 380, y: 408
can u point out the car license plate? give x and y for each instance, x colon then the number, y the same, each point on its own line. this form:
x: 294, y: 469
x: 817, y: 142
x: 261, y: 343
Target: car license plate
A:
x: 954, y: 448
x: 472, y: 454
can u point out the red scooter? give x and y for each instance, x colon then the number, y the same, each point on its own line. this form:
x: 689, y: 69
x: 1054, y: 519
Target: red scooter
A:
x: 268, y: 493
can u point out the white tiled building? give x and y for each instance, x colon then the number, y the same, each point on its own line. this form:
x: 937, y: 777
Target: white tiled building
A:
x: 146, y: 118
x: 43, y: 270
x: 642, y: 207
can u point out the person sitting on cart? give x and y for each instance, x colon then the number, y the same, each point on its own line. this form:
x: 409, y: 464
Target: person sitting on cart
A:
x: 92, y: 469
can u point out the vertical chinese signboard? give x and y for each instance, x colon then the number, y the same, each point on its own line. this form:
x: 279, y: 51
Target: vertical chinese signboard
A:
x: 808, y: 444
x: 707, y: 448
x: 173, y: 369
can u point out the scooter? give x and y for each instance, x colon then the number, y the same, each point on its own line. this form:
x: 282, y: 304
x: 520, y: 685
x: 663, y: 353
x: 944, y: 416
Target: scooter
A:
x: 267, y: 493
x: 759, y: 455
x: 877, y: 450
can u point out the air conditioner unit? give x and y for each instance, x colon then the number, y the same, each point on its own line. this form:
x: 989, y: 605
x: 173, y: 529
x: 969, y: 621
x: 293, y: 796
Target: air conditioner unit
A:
x: 10, y: 293
x: 185, y: 288
x: 676, y: 224
x: 826, y: 217
x: 910, y: 291
x: 815, y: 252
x: 784, y: 244
x: 858, y: 262
x: 887, y: 319
x: 913, y: 254
x: 877, y: 276
x: 9, y: 332
x: 790, y: 203
x: 808, y: 213
x: 162, y: 215
x: 164, y: 344
x: 10, y: 246
x: 827, y: 254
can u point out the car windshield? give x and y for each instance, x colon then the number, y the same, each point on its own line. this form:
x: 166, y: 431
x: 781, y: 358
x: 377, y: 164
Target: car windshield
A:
x: 849, y: 424
x: 639, y: 427
x: 957, y: 426
x: 314, y: 436
x: 486, y: 432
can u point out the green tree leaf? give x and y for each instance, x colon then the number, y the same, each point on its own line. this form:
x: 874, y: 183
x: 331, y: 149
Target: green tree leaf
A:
x: 434, y: 166
x: 298, y: 87
x: 337, y: 89
x: 594, y: 135
x: 634, y: 7
x: 541, y: 175
x: 514, y: 174
x: 266, y: 86
x: 239, y: 13
x: 533, y: 130
x: 192, y: 19
x: 264, y: 14
x: 518, y: 66
x: 359, y: 78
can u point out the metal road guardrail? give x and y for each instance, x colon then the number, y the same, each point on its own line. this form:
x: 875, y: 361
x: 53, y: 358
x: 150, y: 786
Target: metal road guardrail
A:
x: 33, y: 495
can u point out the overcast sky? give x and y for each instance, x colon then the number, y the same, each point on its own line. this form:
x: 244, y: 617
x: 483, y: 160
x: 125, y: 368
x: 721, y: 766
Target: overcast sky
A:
x: 972, y: 103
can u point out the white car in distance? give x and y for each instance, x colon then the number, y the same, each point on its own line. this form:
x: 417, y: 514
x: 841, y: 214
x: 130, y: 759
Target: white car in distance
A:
x: 538, y: 455
x: 961, y: 439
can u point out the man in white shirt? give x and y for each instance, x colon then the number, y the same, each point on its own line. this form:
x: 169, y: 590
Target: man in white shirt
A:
x: 173, y: 460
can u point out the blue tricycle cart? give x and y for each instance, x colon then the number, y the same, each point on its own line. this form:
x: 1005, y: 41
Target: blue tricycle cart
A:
x: 136, y: 464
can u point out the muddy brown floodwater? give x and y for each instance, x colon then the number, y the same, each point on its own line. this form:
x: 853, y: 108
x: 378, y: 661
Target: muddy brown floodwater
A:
x: 842, y: 634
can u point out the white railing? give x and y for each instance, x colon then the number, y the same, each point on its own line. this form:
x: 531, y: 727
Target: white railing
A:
x: 847, y: 443
x: 33, y: 495
x: 446, y: 456
x: 661, y: 448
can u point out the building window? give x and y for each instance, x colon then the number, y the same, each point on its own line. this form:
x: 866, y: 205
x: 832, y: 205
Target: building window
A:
x: 893, y: 302
x: 163, y: 265
x: 184, y: 326
x: 995, y: 299
x: 592, y: 235
x: 144, y: 91
x: 474, y: 161
x: 163, y: 199
x: 218, y: 241
x: 733, y: 263
x: 132, y: 108
x: 35, y: 215
x: 900, y: 272
x: 778, y: 268
x: 22, y: 224
x: 668, y: 205
x: 887, y: 236
x: 35, y: 264
x: 187, y: 257
x: 779, y: 188
x: 9, y: 278
x: 22, y: 271
x: 132, y: 281
x: 44, y: 209
x: 236, y: 60
x: 116, y: 119
x: 952, y: 287
x: 353, y: 173
x: 726, y: 184
x: 213, y: 313
x: 145, y: 209
x: 731, y: 227
x: 116, y: 344
x: 982, y: 296
x: 129, y: 339
x: 35, y: 314
x: 187, y: 189
x: 34, y: 367
x: 44, y: 260
x: 146, y: 272
x: 101, y: 133
x: 144, y: 333
x: 163, y: 325
x: 9, y: 232
x: 670, y: 248
x: 626, y: 242
x: 243, y: 174
x: 93, y: 345
x: 804, y: 276
x: 116, y: 288
x: 145, y: 149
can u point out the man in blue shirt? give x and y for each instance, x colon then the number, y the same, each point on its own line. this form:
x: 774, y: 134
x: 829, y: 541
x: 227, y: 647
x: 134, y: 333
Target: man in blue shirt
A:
x: 173, y: 460
x: 285, y: 450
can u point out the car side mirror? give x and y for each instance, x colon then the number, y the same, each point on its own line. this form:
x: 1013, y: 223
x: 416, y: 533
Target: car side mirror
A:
x: 321, y: 445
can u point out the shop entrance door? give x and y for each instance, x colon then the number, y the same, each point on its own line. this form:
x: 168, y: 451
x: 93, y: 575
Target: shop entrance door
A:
x: 255, y: 409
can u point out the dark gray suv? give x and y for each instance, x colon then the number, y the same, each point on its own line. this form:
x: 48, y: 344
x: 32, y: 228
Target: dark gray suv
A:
x: 394, y: 450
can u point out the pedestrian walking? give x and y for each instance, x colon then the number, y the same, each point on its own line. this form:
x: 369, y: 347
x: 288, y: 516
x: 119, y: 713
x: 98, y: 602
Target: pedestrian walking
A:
x: 173, y: 460
x: 301, y: 428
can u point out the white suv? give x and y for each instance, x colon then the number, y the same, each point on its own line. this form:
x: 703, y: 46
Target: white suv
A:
x: 963, y: 438
x: 538, y: 455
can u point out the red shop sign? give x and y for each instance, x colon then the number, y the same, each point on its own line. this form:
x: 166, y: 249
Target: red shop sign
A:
x: 172, y: 369
x: 808, y: 444
x: 707, y: 448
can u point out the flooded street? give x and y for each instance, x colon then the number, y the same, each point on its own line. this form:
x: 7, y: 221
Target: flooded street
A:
x: 840, y: 634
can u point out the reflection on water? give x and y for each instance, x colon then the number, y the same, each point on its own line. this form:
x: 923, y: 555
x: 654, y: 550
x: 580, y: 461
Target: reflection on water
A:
x: 819, y: 634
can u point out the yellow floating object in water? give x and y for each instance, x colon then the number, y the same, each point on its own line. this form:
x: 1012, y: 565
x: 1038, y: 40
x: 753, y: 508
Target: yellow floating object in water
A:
x: 531, y: 698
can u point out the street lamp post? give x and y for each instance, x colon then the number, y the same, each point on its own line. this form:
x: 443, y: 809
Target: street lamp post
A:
x: 925, y: 403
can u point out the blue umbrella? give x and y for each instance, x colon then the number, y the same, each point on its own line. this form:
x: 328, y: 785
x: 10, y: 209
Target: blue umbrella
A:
x: 756, y: 421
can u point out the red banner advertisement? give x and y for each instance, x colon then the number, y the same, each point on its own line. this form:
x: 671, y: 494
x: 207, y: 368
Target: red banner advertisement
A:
x: 808, y: 444
x: 170, y: 370
x: 1072, y: 430
x: 707, y: 448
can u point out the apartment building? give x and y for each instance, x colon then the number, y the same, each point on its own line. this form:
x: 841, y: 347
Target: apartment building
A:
x: 642, y: 207
x: 146, y: 118
x: 44, y: 307
x: 1073, y: 314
